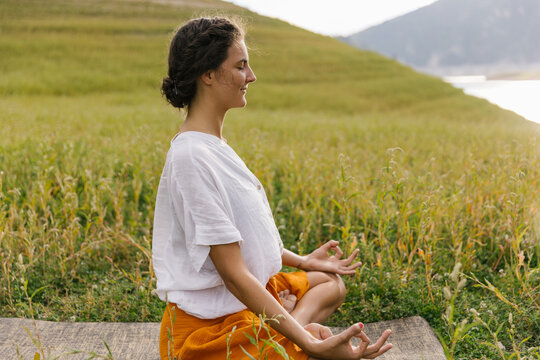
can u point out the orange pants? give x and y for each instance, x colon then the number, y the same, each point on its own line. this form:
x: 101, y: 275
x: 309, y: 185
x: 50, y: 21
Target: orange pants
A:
x: 195, y: 339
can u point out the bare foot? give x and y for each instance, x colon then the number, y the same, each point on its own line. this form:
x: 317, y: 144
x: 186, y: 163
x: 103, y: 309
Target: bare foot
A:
x: 288, y: 300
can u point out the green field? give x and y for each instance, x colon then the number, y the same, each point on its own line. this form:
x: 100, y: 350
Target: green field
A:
x: 349, y: 145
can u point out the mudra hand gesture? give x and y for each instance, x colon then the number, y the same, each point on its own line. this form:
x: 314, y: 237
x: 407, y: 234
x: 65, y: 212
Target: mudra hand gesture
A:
x: 321, y: 260
x: 339, y: 346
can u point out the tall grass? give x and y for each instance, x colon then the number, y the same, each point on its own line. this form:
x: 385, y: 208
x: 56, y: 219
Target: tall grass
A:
x: 349, y: 145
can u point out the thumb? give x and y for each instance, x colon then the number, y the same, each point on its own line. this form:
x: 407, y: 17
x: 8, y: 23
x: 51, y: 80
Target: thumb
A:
x: 325, y: 333
x: 330, y: 244
x: 352, y: 331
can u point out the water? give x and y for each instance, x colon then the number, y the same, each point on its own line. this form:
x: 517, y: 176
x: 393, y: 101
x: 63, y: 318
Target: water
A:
x: 519, y: 96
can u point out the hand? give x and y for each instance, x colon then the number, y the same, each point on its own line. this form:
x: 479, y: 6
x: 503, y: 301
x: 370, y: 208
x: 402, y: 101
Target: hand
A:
x: 319, y: 260
x: 339, y: 347
x: 318, y: 331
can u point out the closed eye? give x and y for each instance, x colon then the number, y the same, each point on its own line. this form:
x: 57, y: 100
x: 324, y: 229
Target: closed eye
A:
x: 242, y: 64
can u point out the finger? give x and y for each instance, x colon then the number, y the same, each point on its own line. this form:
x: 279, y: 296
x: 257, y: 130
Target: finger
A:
x: 364, y: 343
x: 342, y: 271
x: 354, y: 266
x: 348, y: 333
x: 380, y: 342
x: 351, y: 257
x: 329, y: 244
x: 382, y: 350
x: 363, y: 337
x: 349, y: 270
x: 338, y: 251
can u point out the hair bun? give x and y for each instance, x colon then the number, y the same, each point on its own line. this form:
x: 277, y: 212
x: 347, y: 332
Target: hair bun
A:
x: 169, y: 88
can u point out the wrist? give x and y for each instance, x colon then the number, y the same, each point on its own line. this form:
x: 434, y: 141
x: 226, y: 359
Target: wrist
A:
x: 309, y: 343
x: 302, y: 263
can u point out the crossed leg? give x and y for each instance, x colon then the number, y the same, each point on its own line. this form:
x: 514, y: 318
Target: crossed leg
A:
x: 326, y: 293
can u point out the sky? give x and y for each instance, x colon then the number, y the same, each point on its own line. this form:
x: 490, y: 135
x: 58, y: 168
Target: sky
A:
x: 333, y: 17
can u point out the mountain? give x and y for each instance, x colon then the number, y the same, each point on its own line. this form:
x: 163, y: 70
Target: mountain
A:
x: 461, y: 36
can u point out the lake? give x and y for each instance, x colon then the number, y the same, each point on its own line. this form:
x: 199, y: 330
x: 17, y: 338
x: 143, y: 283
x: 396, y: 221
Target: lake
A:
x: 519, y: 96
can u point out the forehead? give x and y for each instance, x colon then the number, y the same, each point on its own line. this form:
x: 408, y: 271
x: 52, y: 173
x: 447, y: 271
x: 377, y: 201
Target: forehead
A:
x: 237, y: 51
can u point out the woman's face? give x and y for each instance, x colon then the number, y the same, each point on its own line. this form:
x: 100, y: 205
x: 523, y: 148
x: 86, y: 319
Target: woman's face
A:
x: 233, y: 77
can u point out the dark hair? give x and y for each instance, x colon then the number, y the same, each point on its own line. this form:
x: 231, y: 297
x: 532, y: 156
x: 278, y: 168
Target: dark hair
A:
x: 198, y: 46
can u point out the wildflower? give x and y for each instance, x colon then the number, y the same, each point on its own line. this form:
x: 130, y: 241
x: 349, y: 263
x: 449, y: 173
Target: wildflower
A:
x: 455, y: 272
x: 447, y: 293
x: 474, y: 312
x: 483, y: 305
x: 462, y: 284
x: 448, y: 313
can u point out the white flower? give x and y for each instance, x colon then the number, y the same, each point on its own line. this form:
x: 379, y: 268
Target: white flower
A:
x: 455, y: 272
x: 447, y: 293
x: 462, y: 283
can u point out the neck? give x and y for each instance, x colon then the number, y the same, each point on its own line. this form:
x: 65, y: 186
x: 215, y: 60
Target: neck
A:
x: 205, y: 117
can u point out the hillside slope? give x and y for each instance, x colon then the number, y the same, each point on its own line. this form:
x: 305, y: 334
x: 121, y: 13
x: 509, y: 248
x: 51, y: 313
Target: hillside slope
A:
x: 447, y: 36
x: 121, y: 47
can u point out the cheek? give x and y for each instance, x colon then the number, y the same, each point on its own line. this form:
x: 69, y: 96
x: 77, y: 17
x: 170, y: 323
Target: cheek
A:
x: 239, y: 79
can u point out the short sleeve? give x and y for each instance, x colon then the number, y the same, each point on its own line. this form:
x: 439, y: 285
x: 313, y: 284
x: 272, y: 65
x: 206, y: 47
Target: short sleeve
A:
x: 201, y: 206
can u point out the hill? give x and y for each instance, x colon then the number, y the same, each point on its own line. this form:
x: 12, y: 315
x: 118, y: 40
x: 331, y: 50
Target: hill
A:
x: 349, y: 145
x: 126, y: 54
x: 461, y: 37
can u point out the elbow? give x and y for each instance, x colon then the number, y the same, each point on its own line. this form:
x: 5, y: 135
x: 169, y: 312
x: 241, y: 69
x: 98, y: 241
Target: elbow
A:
x: 236, y: 283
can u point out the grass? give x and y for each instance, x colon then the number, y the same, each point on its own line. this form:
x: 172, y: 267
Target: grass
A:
x: 349, y: 145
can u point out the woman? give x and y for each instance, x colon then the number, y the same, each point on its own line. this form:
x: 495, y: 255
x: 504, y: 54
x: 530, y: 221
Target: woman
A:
x: 216, y: 250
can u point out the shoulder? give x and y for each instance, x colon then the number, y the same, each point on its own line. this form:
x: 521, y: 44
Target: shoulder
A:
x: 195, y: 160
x: 188, y: 153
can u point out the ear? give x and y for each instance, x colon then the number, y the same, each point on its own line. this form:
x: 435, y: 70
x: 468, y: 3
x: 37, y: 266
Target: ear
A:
x: 208, y: 77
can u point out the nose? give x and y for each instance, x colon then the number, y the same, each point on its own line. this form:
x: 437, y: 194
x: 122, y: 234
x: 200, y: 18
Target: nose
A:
x: 250, y: 76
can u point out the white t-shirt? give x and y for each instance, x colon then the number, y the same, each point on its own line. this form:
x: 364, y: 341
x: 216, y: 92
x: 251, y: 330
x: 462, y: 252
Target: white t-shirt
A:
x: 207, y: 196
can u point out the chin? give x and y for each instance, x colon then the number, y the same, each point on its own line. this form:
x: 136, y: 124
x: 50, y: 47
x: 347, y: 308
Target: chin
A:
x: 241, y: 104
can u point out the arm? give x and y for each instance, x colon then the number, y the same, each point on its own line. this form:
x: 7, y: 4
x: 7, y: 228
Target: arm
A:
x: 288, y: 258
x: 319, y: 260
x: 243, y: 285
